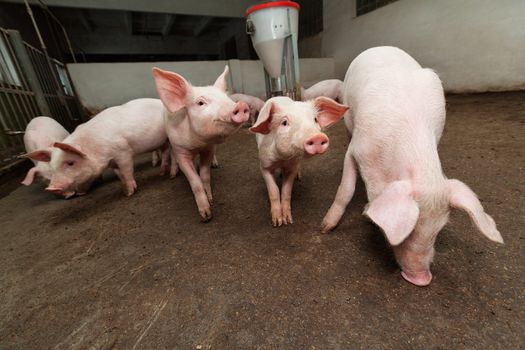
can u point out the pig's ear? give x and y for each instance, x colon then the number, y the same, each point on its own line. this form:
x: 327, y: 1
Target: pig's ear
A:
x: 172, y: 89
x: 264, y: 120
x: 30, y: 176
x: 221, y: 80
x: 69, y: 149
x: 42, y: 155
x: 328, y: 111
x: 462, y: 197
x: 395, y: 211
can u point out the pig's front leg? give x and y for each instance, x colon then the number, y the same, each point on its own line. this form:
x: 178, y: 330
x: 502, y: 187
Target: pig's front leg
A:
x: 205, y: 165
x: 187, y: 165
x: 274, y: 196
x: 344, y: 194
x: 125, y: 172
x: 289, y: 175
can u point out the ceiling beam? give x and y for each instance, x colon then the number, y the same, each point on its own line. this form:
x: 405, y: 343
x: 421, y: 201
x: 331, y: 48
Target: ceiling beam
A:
x: 83, y: 16
x: 170, y: 19
x: 201, y: 25
x: 121, y: 44
x: 128, y: 22
x: 223, y: 8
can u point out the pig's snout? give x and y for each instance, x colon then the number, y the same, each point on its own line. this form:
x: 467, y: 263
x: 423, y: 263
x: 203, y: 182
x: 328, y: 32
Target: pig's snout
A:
x: 317, y: 144
x: 420, y: 279
x: 55, y: 190
x: 241, y: 113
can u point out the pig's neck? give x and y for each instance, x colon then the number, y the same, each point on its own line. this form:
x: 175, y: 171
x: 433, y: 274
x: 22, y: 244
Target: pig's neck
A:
x: 269, y: 156
x: 181, y: 133
x: 99, y: 155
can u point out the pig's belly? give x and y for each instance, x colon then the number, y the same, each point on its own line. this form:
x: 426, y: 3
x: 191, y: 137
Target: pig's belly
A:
x: 148, y: 143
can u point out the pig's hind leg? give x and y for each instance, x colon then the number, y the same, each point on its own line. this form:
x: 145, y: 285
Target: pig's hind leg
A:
x: 174, y: 167
x: 344, y: 194
x: 215, y: 162
x: 125, y: 173
x: 165, y: 158
x: 154, y: 158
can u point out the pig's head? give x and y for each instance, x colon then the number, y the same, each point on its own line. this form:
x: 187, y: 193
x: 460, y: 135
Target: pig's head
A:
x: 411, y: 218
x: 211, y: 113
x: 41, y: 168
x: 297, y: 127
x: 72, y: 170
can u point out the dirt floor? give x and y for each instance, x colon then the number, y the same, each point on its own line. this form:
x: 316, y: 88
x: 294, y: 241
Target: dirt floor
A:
x: 106, y: 271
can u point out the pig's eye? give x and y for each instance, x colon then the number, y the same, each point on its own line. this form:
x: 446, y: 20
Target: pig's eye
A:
x: 70, y: 163
x: 201, y: 103
x: 284, y: 122
x: 315, y: 120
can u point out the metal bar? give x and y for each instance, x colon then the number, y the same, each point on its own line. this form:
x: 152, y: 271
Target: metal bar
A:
x: 15, y: 91
x: 4, y: 142
x: 22, y: 98
x: 3, y: 119
x: 66, y: 36
x: 25, y: 63
x: 30, y: 12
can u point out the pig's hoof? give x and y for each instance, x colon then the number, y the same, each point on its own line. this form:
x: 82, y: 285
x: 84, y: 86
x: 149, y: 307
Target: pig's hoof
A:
x: 287, y: 217
x: 326, y: 227
x: 205, y: 215
x: 277, y: 221
x: 215, y: 164
x: 277, y: 215
x: 420, y: 279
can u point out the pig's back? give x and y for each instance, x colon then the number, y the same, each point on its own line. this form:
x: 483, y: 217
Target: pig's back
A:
x: 145, y: 115
x: 387, y: 89
x: 398, y: 111
x: 138, y: 123
x: 41, y: 132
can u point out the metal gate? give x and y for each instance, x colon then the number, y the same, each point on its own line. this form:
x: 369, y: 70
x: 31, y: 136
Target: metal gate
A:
x: 31, y: 84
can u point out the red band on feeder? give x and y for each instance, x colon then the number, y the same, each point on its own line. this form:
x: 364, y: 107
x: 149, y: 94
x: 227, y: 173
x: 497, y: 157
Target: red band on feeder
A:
x: 271, y: 4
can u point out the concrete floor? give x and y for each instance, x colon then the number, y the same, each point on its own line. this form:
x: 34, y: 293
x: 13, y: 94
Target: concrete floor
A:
x: 106, y: 271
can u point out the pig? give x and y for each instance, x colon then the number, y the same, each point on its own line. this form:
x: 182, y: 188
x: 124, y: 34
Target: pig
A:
x: 396, y: 118
x: 286, y: 132
x: 331, y: 88
x: 110, y: 139
x: 41, y: 133
x: 196, y: 119
x: 253, y: 102
x: 162, y: 154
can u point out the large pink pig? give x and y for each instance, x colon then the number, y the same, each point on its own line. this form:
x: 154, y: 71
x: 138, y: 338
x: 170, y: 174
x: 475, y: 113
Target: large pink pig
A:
x: 287, y: 131
x: 111, y: 138
x: 41, y: 133
x: 396, y: 117
x: 198, y: 118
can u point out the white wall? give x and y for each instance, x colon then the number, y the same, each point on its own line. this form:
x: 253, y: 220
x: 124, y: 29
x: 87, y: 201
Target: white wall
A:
x: 474, y: 45
x: 101, y: 85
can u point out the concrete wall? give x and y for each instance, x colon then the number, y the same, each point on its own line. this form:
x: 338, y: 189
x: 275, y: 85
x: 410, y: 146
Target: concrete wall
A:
x: 474, y: 45
x: 101, y: 85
